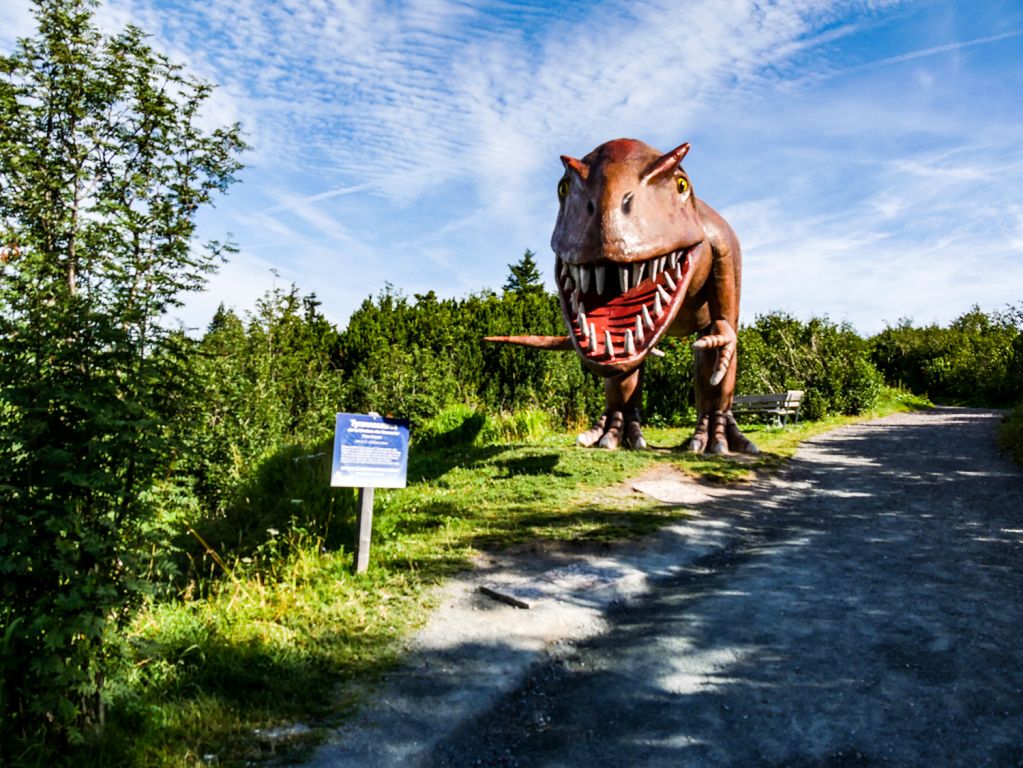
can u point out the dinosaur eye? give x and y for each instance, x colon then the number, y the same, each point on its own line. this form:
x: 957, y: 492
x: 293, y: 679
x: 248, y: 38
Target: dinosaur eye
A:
x: 563, y: 188
x: 682, y: 185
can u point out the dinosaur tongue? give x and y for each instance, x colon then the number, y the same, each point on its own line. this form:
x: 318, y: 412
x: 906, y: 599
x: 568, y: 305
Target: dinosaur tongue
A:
x: 617, y: 312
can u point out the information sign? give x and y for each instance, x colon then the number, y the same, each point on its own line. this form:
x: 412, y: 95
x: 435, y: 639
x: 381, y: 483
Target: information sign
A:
x: 370, y: 451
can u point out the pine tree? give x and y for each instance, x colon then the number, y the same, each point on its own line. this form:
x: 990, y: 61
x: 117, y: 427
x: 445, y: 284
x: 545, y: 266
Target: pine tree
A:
x: 524, y: 276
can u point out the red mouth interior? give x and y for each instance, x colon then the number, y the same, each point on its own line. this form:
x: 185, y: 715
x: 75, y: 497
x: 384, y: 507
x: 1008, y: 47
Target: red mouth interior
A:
x: 617, y: 311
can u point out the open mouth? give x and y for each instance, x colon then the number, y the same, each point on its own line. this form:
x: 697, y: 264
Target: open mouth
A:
x: 617, y: 311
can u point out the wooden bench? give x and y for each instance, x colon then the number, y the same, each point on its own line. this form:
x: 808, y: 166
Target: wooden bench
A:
x: 780, y: 405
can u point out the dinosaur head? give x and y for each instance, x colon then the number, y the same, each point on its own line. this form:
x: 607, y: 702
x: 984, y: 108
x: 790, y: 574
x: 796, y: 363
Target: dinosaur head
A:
x: 626, y: 237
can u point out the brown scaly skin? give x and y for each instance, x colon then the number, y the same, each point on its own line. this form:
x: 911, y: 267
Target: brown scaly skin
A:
x: 639, y: 257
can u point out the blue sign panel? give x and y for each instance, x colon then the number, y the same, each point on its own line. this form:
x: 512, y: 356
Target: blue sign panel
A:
x: 369, y: 451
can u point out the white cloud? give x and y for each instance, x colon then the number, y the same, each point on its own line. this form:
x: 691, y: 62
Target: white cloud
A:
x: 16, y: 22
x: 417, y: 142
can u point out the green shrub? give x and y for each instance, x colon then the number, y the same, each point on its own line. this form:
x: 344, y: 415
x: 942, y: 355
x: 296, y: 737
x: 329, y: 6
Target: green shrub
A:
x: 1010, y: 436
x: 668, y: 384
x: 976, y: 360
x: 829, y: 362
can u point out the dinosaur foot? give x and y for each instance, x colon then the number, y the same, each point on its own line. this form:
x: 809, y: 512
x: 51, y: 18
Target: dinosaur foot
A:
x: 718, y: 433
x: 613, y: 429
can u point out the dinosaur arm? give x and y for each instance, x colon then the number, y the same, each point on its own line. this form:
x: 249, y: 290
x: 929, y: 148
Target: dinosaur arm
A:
x: 723, y: 298
x: 722, y: 336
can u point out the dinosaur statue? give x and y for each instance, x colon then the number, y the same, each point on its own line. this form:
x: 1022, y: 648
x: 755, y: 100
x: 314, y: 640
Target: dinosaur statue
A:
x: 638, y: 256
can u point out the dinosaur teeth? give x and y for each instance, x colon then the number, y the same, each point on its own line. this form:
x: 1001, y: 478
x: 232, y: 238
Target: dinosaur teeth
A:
x: 584, y: 278
x: 593, y: 282
x: 647, y: 321
x: 656, y: 352
x: 637, y: 272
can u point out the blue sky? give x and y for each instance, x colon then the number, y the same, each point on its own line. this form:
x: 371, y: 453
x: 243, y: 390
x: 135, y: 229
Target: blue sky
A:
x: 869, y: 154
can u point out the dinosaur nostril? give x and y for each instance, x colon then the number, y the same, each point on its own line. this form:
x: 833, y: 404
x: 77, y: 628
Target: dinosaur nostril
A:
x: 626, y: 202
x: 590, y: 208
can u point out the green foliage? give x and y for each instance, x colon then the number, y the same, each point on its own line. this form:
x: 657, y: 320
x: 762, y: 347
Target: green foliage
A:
x: 257, y: 385
x: 668, y: 384
x: 461, y: 425
x: 1011, y: 434
x: 976, y: 360
x: 285, y: 491
x: 829, y: 362
x: 102, y: 171
x: 524, y: 276
x: 416, y: 358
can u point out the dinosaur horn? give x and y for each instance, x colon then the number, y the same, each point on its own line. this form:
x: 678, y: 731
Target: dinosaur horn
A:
x: 537, y: 342
x: 576, y: 165
x: 665, y: 163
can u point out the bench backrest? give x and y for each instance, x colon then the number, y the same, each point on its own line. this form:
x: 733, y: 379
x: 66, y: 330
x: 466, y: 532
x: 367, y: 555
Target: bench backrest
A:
x: 790, y: 399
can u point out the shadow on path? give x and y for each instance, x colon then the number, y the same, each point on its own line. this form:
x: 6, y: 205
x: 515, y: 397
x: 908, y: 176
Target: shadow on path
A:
x: 867, y: 611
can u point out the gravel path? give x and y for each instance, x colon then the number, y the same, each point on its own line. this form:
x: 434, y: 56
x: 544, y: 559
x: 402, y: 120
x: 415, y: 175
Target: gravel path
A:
x: 863, y: 608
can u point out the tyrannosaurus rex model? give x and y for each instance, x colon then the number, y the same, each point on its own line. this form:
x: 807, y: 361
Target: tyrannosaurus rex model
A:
x: 638, y: 257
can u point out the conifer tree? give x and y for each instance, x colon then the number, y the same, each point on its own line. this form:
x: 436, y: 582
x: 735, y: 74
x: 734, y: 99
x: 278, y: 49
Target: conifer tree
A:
x: 524, y: 275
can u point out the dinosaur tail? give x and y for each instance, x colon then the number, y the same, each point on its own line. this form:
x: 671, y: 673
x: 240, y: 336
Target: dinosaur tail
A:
x: 537, y: 342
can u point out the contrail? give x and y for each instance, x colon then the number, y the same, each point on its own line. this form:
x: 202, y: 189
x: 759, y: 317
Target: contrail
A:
x: 915, y: 55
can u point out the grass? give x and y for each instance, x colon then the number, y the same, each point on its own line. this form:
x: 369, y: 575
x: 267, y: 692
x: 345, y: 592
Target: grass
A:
x: 288, y: 634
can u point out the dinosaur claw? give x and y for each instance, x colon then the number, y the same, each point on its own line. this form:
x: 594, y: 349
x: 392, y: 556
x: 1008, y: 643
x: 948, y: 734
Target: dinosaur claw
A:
x: 720, y: 448
x: 716, y: 379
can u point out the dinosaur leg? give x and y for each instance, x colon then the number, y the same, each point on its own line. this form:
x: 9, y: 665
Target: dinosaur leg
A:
x: 737, y: 441
x: 620, y: 422
x: 716, y: 429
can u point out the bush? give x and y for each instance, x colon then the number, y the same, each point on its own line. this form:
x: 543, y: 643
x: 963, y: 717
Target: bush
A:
x: 829, y: 362
x: 668, y: 384
x: 1010, y: 436
x: 976, y: 360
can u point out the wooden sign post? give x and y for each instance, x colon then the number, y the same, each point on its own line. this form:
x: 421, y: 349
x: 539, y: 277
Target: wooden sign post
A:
x: 364, y: 529
x: 370, y: 452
